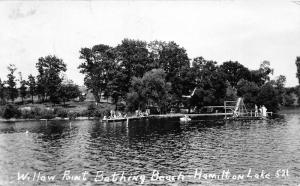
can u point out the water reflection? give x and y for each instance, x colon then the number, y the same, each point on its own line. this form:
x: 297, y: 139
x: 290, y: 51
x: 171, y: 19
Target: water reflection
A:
x: 139, y: 147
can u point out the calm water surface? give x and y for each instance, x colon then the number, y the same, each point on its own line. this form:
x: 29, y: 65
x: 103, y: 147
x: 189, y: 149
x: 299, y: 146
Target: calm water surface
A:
x: 140, y: 147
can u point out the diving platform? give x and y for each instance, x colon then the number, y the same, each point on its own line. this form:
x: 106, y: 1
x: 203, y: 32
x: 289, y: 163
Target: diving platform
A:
x: 240, y: 112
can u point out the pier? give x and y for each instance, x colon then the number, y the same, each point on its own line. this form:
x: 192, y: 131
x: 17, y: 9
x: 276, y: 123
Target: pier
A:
x: 233, y: 110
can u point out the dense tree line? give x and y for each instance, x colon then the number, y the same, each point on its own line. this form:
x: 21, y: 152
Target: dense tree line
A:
x: 151, y: 74
x: 48, y: 85
x: 159, y: 74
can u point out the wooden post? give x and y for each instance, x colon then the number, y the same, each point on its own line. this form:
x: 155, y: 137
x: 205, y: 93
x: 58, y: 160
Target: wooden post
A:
x: 225, y: 109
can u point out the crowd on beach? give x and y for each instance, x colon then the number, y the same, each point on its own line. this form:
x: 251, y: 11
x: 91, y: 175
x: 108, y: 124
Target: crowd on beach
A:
x: 120, y: 115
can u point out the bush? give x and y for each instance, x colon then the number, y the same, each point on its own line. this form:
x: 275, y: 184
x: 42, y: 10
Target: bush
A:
x: 87, y: 113
x: 92, y: 107
x: 47, y: 114
x: 11, y: 111
x: 60, y: 112
x: 72, y: 115
x: 1, y: 111
x: 268, y: 97
x: 43, y: 113
x: 97, y: 113
x: 27, y: 114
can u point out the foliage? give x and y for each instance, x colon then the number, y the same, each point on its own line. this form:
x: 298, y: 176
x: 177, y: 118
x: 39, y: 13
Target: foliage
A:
x: 288, y: 100
x: 279, y: 84
x: 23, y: 88
x: 133, y: 57
x: 120, y: 72
x: 97, y: 64
x: 150, y: 90
x: 231, y: 93
x: 249, y: 91
x: 298, y: 68
x: 47, y: 114
x: 174, y: 60
x: 11, y: 82
x: 11, y: 111
x: 95, y: 111
x: 268, y: 97
x: 68, y: 91
x: 60, y: 112
x: 49, y: 79
x: 210, y: 83
x: 72, y: 115
x: 3, y: 92
x: 234, y: 71
x: 32, y: 86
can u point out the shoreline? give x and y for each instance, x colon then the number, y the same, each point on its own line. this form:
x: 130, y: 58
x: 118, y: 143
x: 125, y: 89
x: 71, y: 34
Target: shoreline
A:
x: 160, y: 116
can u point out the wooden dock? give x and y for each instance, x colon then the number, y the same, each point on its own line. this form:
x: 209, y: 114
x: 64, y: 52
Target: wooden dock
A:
x: 166, y: 116
x: 190, y: 115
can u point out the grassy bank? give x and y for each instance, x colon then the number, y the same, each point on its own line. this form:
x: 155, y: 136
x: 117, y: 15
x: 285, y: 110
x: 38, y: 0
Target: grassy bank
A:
x: 49, y: 111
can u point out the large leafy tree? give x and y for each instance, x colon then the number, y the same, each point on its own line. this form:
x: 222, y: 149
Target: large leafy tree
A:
x: 298, y: 68
x: 96, y: 67
x: 174, y: 60
x: 210, y: 83
x: 11, y: 82
x: 262, y: 75
x: 268, y: 97
x: 279, y: 84
x: 249, y: 91
x: 116, y: 87
x: 152, y: 89
x: 234, y: 71
x: 134, y: 59
x: 49, y: 78
x: 23, y: 87
x: 68, y: 90
x: 32, y: 86
x: 3, y: 92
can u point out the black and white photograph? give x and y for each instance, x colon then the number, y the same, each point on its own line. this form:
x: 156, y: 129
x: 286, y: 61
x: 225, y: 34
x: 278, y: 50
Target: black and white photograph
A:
x: 170, y: 92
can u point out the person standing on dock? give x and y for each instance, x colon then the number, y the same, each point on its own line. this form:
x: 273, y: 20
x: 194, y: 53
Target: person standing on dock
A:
x: 256, y: 110
x: 264, y: 111
x: 260, y: 111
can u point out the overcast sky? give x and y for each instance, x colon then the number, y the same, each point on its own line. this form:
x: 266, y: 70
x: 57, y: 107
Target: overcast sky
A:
x: 240, y: 30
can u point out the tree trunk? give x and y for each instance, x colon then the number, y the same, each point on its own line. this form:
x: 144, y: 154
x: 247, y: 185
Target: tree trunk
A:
x: 96, y: 96
x: 32, y: 98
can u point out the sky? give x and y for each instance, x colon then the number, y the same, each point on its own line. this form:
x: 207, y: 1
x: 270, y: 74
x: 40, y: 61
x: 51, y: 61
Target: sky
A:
x: 240, y: 30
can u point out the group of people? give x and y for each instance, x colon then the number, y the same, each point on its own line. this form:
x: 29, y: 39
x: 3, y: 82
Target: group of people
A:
x: 139, y: 113
x: 119, y: 115
x: 261, y: 111
x: 115, y: 115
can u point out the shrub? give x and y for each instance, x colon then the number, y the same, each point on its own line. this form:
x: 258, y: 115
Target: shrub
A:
x: 60, y: 112
x: 1, y: 111
x: 11, y: 111
x: 72, y: 115
x: 27, y: 114
x: 91, y: 106
x: 268, y: 97
x: 43, y: 113
x: 36, y: 112
x: 97, y: 113
x: 47, y: 114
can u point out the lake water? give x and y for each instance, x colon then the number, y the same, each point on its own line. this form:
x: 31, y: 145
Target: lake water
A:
x: 143, y: 149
